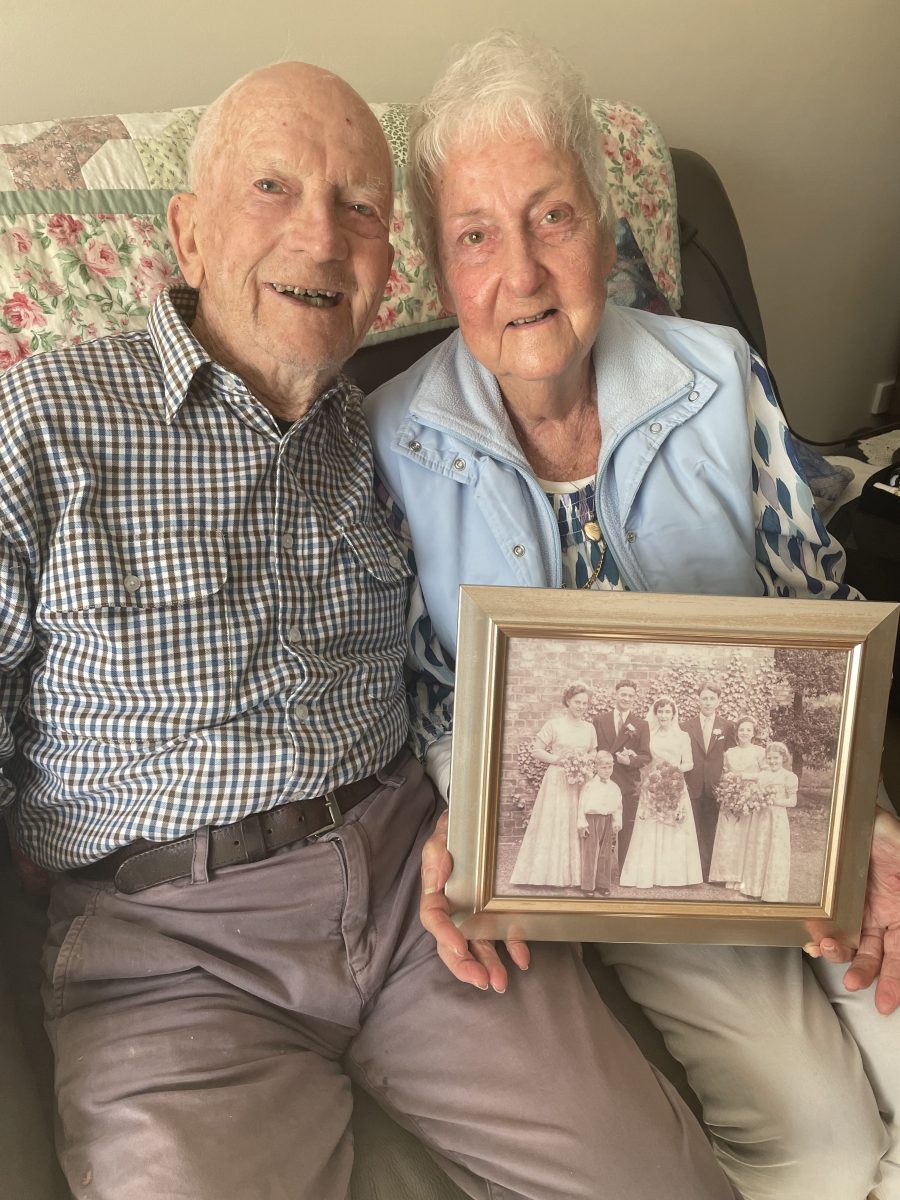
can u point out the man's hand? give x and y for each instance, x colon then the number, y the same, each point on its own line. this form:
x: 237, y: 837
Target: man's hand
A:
x: 477, y: 962
x: 625, y: 756
x: 878, y: 953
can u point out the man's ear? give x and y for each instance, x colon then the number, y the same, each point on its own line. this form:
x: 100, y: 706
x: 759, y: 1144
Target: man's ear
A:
x: 182, y: 219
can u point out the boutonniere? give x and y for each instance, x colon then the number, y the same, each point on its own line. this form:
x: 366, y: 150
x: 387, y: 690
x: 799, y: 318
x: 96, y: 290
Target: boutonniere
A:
x: 718, y: 733
x: 629, y: 728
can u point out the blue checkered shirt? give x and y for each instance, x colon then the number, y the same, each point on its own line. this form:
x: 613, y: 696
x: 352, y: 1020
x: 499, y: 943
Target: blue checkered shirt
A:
x: 199, y: 617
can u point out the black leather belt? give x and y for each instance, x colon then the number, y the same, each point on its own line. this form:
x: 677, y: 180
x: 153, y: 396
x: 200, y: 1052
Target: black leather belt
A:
x: 144, y: 864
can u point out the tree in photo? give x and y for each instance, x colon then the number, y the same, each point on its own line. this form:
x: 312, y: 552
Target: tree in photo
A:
x: 808, y: 723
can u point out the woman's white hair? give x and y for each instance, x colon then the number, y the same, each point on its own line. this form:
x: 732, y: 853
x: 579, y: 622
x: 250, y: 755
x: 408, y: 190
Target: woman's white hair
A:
x: 508, y: 84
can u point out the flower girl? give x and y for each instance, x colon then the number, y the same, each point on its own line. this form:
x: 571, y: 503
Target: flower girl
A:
x: 766, y: 871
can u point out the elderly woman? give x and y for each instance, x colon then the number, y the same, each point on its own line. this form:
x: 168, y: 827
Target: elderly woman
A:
x: 549, y: 443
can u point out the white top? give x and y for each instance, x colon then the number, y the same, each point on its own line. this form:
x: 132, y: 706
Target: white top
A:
x: 600, y: 796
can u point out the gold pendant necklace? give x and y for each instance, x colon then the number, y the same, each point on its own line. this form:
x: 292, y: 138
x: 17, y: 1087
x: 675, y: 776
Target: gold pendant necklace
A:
x: 592, y: 531
x: 595, y: 574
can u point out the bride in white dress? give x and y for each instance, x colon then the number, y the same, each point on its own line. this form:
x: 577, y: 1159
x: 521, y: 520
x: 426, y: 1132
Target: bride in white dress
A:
x: 550, y: 852
x: 663, y: 854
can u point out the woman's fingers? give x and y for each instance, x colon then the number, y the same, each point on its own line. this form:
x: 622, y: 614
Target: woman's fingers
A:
x: 437, y: 864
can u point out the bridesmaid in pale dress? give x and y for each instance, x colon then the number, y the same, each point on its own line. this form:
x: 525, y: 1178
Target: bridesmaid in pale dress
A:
x: 745, y: 761
x: 767, y: 859
x: 550, y: 853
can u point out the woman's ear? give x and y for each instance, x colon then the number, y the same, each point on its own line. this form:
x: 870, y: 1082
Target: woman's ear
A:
x: 447, y: 301
x: 182, y: 220
x: 608, y: 253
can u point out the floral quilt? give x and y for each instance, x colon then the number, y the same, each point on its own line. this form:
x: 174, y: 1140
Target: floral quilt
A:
x: 84, y: 249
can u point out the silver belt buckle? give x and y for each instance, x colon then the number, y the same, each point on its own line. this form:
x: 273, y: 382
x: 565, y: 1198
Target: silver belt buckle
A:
x: 337, y: 817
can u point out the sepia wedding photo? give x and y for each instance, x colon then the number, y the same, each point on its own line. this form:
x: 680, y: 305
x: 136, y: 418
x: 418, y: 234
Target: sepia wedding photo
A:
x: 663, y: 767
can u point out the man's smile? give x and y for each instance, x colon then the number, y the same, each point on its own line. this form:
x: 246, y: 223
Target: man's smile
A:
x: 314, y: 297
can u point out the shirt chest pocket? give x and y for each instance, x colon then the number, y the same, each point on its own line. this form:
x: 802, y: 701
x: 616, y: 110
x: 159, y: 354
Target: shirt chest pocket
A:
x: 355, y: 587
x: 369, y: 548
x: 137, y: 628
x: 99, y: 569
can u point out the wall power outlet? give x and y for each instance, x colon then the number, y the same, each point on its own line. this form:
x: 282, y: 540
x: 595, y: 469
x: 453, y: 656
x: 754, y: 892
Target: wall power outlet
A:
x: 883, y: 396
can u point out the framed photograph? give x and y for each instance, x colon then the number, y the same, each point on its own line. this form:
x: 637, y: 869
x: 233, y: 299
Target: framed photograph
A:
x: 665, y: 768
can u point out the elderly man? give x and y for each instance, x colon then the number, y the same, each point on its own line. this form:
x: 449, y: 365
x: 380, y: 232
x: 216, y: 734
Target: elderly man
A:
x: 201, y: 640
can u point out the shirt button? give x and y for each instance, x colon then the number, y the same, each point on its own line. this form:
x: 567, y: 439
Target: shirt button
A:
x: 132, y: 583
x: 629, y: 536
x: 518, y: 551
x: 287, y: 541
x: 415, y: 446
x: 694, y: 396
x: 302, y: 711
x: 295, y: 637
x: 394, y: 560
x: 459, y: 464
x: 655, y: 427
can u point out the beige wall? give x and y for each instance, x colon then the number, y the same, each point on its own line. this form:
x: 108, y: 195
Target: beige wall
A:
x: 796, y: 103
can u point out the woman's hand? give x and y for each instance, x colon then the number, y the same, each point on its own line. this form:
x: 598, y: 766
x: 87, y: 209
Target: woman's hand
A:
x: 546, y: 756
x: 474, y: 962
x: 878, y: 953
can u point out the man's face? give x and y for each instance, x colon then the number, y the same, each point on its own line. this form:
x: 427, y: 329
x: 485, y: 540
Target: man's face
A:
x: 625, y: 697
x: 708, y: 701
x: 290, y: 247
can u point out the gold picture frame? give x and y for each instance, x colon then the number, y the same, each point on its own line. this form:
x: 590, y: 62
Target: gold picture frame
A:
x: 518, y: 645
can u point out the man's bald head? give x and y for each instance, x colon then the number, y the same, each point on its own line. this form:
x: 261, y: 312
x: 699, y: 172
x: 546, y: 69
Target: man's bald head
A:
x: 291, y: 79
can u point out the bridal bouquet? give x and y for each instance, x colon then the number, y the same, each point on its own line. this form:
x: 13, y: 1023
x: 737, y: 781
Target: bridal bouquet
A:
x: 738, y: 797
x: 579, y: 766
x: 662, y: 793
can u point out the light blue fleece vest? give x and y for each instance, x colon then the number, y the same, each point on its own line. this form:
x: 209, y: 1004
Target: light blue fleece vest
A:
x: 673, y: 478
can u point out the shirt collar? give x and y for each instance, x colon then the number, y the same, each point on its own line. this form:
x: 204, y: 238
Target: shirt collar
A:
x: 183, y: 358
x: 636, y: 373
x: 180, y: 353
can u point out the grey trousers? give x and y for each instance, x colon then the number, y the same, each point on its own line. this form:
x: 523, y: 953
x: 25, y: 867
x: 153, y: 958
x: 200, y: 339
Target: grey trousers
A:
x: 798, y: 1078
x: 597, y: 851
x: 205, y: 1033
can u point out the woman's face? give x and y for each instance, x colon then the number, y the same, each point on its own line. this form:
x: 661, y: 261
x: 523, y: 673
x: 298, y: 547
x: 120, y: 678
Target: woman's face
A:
x: 578, y: 704
x: 523, y: 259
x: 773, y: 759
x: 745, y: 732
x: 664, y: 714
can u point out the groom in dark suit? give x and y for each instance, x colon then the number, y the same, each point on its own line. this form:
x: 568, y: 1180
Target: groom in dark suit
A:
x: 710, y: 737
x: 627, y: 738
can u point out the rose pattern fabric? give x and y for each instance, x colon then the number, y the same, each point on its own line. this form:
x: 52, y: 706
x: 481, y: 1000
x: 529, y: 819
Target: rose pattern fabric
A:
x: 80, y: 278
x: 72, y: 271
